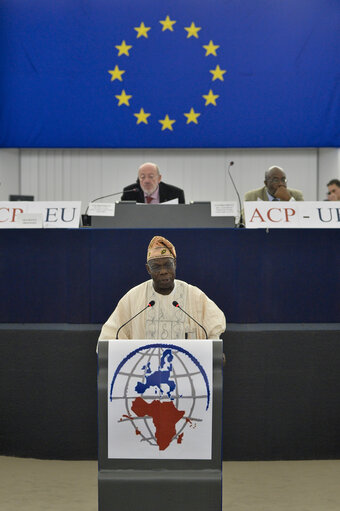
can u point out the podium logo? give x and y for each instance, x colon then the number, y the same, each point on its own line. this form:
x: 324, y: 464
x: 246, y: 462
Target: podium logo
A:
x: 160, y: 397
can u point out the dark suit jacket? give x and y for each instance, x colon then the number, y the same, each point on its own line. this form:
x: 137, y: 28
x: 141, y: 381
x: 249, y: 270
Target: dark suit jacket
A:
x: 166, y: 192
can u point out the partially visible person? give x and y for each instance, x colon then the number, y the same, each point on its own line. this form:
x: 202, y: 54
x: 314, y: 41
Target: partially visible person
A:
x: 333, y: 189
x: 150, y: 187
x: 275, y: 188
x: 164, y: 320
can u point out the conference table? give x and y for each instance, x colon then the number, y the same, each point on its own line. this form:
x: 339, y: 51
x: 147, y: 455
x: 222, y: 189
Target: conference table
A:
x: 280, y: 292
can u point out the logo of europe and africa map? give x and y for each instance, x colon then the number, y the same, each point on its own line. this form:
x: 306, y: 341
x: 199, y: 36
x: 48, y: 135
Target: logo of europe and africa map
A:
x: 159, y: 395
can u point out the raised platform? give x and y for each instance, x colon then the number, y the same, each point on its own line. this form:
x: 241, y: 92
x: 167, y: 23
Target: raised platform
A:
x: 281, y: 391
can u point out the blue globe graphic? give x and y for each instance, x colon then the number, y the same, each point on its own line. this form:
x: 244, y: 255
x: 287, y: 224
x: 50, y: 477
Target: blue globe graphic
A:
x: 164, y: 373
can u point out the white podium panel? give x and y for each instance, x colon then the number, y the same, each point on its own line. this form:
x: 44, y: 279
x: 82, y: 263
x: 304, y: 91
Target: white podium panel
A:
x: 160, y: 399
x: 160, y: 424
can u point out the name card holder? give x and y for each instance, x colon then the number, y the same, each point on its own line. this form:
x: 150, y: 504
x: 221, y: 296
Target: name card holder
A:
x: 28, y: 215
x: 292, y: 214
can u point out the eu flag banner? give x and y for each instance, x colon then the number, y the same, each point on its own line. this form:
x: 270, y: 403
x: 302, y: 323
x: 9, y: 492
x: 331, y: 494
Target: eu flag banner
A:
x: 170, y: 73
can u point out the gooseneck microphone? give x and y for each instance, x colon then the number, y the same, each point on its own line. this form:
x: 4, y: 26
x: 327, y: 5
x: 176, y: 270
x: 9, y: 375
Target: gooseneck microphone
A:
x: 240, y: 223
x: 87, y: 219
x: 110, y: 195
x: 116, y: 193
x: 176, y: 304
x: 150, y: 304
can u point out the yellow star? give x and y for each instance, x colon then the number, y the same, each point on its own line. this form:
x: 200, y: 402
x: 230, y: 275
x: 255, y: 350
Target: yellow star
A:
x: 218, y: 73
x: 123, y: 48
x: 192, y: 30
x: 142, y: 116
x: 142, y: 30
x: 167, y: 24
x: 123, y: 98
x: 167, y: 123
x: 116, y: 74
x: 211, y: 48
x: 210, y: 99
x: 192, y: 116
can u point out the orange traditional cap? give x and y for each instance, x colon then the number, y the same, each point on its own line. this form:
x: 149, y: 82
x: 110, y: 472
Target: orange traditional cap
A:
x: 160, y: 247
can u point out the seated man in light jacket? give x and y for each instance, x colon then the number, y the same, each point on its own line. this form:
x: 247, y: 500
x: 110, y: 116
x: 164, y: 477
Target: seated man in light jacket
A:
x: 275, y: 188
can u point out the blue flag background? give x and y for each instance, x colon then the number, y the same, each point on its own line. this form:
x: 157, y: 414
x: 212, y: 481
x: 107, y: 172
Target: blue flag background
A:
x: 217, y: 73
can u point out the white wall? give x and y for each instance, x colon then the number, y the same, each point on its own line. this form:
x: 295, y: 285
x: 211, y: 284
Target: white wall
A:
x: 9, y: 172
x: 84, y: 174
x: 329, y: 168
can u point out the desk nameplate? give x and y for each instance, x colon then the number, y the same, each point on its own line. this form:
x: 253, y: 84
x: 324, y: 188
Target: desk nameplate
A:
x: 292, y: 214
x: 54, y: 214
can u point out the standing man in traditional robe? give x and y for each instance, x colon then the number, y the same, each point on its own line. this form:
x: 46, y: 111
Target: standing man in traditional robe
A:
x: 163, y: 320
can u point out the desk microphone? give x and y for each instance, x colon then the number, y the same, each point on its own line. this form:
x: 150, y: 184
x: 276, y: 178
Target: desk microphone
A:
x: 150, y: 304
x: 85, y: 217
x: 240, y: 224
x: 176, y: 304
x: 111, y: 195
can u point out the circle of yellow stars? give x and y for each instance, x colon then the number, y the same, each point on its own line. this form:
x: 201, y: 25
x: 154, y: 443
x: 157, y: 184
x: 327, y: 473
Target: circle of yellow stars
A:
x: 123, y: 49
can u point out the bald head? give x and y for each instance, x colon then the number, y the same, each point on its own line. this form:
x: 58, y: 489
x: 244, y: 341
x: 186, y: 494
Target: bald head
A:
x: 149, y: 177
x: 274, y: 179
x: 272, y: 171
x: 148, y: 166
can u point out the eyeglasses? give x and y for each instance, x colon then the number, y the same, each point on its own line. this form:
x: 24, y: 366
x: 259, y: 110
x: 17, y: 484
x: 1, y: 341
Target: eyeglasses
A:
x: 155, y: 268
x: 148, y: 176
x: 278, y: 180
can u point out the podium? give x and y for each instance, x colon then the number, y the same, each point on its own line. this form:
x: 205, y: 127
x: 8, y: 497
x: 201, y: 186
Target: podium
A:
x: 160, y: 425
x: 132, y: 215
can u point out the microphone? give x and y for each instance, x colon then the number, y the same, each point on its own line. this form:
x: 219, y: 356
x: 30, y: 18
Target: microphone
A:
x: 111, y: 195
x: 240, y: 223
x: 176, y: 304
x: 85, y: 217
x: 116, y: 193
x: 150, y: 304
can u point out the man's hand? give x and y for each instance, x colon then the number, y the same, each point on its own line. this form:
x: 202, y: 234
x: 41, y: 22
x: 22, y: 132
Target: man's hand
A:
x: 282, y: 193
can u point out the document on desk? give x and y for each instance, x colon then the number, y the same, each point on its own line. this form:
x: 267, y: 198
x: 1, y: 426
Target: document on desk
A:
x: 172, y: 201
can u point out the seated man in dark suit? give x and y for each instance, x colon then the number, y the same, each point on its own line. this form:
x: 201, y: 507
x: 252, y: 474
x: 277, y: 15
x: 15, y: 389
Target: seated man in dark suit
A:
x: 333, y: 189
x: 150, y: 187
x: 275, y: 188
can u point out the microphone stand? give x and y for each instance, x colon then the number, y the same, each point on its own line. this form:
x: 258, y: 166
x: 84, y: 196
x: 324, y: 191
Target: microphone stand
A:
x: 240, y: 223
x: 176, y: 304
x: 150, y: 304
x: 86, y: 219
